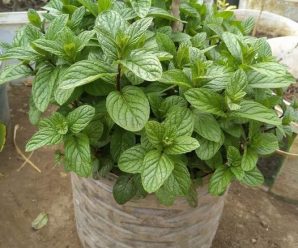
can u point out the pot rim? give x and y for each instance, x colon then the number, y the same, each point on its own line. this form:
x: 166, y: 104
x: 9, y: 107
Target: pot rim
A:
x: 12, y: 18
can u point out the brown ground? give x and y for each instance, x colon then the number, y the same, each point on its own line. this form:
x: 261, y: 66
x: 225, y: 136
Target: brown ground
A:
x: 252, y: 217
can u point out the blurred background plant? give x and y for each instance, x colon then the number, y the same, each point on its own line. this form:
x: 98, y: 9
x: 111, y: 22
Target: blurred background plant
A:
x: 18, y: 5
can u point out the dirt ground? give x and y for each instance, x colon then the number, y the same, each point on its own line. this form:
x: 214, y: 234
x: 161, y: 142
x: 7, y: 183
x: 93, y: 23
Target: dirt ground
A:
x: 252, y: 217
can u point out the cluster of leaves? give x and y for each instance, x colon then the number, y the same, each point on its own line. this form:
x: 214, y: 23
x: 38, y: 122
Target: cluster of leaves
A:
x: 160, y: 108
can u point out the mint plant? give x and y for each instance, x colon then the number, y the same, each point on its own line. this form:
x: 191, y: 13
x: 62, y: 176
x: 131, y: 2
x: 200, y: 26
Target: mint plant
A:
x: 160, y: 107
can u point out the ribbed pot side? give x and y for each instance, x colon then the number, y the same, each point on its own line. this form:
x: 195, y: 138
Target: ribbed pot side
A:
x: 102, y: 223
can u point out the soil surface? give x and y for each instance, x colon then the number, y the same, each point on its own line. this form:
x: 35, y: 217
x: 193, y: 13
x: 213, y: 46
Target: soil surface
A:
x: 252, y: 217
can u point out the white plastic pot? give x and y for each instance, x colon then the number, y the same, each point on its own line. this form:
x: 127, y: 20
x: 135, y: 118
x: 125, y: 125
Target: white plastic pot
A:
x: 286, y: 50
x: 288, y: 8
x: 269, y: 24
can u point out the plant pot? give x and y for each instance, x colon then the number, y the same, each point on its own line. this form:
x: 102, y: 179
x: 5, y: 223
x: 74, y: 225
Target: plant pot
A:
x: 4, y: 107
x: 144, y: 223
x: 286, y: 51
x: 269, y: 24
x: 288, y: 8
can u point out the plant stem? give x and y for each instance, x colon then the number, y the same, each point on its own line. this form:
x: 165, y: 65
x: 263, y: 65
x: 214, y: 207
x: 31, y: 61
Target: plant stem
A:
x: 254, y: 32
x: 118, y: 79
x: 175, y: 7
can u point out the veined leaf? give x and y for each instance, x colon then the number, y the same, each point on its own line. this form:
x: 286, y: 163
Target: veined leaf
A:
x: 121, y: 140
x: 143, y: 64
x: 233, y: 45
x: 20, y: 53
x: 208, y: 148
x: 182, y: 144
x: 138, y: 28
x: 176, y: 77
x: 155, y: 132
x: 13, y: 72
x: 181, y: 120
x: 220, y: 180
x: 249, y: 159
x: 207, y: 126
x: 129, y: 108
x: 179, y: 181
x: 111, y: 23
x: 265, y: 143
x: 269, y: 75
x: 141, y: 7
x: 80, y: 118
x: 131, y: 160
x: 43, y: 85
x: 84, y: 72
x: 124, y: 189
x: 253, y: 178
x: 157, y: 168
x: 51, y: 132
x: 206, y: 101
x: 161, y: 13
x: 256, y: 111
x: 56, y: 26
x: 77, y: 154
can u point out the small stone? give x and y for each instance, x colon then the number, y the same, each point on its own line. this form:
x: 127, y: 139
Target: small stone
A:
x: 253, y: 241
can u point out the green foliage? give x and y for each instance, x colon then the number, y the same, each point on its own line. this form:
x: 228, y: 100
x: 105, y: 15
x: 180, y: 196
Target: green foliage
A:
x: 159, y: 108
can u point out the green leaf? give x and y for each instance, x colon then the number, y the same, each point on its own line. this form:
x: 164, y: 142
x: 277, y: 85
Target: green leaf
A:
x: 121, y: 140
x: 155, y: 133
x: 235, y: 89
x: 80, y: 118
x: 265, y: 143
x: 143, y: 64
x: 110, y: 22
x: 90, y: 5
x: 269, y: 75
x: 77, y: 154
x: 129, y: 108
x: 137, y: 29
x: 253, y: 178
x: 206, y: 101
x: 40, y: 221
x: 51, y: 132
x: 34, y: 18
x: 172, y: 102
x: 164, y: 196
x: 43, y: 85
x: 208, y: 148
x: 124, y: 189
x: 162, y: 13
x: 176, y: 77
x: 248, y: 25
x: 207, y: 126
x: 238, y: 172
x: 13, y: 72
x: 220, y: 180
x: 181, y: 120
x: 94, y: 131
x: 2, y: 136
x: 141, y: 7
x: 256, y: 111
x: 165, y: 43
x: 181, y: 145
x: 233, y: 156
x: 233, y: 45
x: 178, y: 183
x: 21, y: 54
x: 57, y: 25
x: 131, y: 160
x: 84, y: 72
x: 157, y: 168
x: 249, y: 159
x: 104, y: 5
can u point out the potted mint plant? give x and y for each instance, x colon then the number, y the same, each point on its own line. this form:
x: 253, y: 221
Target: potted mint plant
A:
x: 160, y: 106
